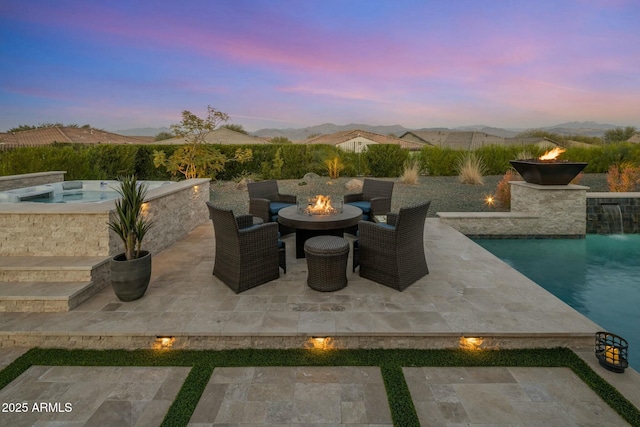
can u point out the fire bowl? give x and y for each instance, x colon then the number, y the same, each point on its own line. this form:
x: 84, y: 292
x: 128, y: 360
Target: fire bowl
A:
x: 548, y: 172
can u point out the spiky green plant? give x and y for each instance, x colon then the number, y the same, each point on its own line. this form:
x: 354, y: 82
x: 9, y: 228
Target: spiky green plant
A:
x: 129, y: 223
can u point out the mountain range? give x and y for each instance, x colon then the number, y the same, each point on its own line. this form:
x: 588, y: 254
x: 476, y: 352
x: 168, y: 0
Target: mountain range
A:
x: 588, y: 128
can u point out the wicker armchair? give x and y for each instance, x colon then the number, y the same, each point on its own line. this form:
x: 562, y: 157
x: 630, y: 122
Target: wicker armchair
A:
x: 265, y: 200
x: 393, y: 253
x: 247, y: 255
x: 375, y: 198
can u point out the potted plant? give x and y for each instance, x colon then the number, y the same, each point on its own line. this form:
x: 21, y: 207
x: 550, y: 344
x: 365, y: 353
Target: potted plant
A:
x: 130, y: 270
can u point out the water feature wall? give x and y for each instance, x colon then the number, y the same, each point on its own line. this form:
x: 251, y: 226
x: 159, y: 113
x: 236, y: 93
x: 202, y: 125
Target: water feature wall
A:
x: 598, y: 205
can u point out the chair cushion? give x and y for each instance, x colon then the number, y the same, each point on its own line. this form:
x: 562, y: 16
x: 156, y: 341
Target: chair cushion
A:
x: 385, y: 225
x: 274, y: 207
x: 364, y: 205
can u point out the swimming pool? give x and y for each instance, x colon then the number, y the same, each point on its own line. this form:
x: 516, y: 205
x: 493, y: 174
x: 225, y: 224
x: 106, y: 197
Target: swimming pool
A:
x: 598, y: 276
x: 69, y: 192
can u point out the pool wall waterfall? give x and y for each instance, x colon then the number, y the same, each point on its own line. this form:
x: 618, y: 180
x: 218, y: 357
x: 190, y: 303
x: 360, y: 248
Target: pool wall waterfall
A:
x: 629, y: 211
x: 80, y: 229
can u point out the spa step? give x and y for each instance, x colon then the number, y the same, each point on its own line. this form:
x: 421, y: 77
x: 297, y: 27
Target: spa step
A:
x: 39, y: 297
x: 50, y: 268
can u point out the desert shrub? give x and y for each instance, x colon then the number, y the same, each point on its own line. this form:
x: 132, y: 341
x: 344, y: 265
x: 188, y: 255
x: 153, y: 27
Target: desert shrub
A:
x: 144, y: 167
x: 411, y: 171
x: 385, y: 160
x: 437, y: 161
x: 502, y: 195
x: 273, y: 169
x: 471, y: 169
x: 624, y: 177
x: 334, y: 166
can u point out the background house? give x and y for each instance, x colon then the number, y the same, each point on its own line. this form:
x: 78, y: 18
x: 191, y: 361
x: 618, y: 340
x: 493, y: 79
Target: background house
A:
x: 68, y: 134
x: 357, y: 140
x: 221, y: 136
x: 463, y: 140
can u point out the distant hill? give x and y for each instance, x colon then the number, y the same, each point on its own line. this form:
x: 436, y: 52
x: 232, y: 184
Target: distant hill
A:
x: 581, y: 128
x: 589, y: 128
x: 142, y: 131
x: 328, y: 128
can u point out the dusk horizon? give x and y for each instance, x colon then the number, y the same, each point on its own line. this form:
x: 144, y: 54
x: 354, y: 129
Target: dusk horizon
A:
x: 287, y: 64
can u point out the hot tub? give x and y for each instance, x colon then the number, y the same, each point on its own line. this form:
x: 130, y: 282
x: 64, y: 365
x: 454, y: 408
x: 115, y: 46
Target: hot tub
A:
x: 70, y: 192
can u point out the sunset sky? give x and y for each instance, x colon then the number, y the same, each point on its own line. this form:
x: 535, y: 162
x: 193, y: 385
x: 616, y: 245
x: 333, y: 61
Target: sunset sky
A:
x: 279, y: 64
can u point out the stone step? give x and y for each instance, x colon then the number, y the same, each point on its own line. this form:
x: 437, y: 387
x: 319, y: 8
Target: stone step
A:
x: 39, y: 297
x: 50, y: 268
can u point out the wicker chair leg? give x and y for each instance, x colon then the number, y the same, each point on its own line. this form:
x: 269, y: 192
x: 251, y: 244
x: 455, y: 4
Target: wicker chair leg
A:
x: 282, y: 254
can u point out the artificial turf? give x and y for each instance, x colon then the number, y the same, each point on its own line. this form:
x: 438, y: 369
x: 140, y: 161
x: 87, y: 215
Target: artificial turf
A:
x: 391, y: 362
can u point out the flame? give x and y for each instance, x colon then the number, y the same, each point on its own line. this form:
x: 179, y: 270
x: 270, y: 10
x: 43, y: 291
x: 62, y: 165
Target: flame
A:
x: 322, y: 206
x: 552, y: 154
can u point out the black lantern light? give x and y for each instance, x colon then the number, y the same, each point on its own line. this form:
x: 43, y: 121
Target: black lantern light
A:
x: 612, y: 351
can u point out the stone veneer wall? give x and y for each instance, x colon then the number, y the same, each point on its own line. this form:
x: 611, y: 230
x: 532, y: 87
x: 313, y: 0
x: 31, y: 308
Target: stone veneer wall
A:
x: 81, y: 229
x: 11, y: 182
x: 629, y: 204
x: 174, y: 215
x: 536, y: 210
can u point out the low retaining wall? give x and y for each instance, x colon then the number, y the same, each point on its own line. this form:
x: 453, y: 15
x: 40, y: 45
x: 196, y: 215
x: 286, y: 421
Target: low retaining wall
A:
x: 11, y: 182
x: 536, y: 211
x: 629, y: 205
x: 64, y: 229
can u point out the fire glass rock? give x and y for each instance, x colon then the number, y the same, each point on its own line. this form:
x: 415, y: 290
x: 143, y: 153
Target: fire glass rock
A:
x: 548, y: 172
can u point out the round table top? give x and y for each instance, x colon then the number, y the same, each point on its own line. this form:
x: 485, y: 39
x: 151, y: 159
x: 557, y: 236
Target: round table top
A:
x: 349, y: 217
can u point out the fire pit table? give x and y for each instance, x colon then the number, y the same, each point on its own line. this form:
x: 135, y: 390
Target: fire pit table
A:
x: 308, y: 226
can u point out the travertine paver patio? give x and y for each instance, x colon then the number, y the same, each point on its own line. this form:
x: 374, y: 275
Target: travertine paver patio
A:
x: 91, y: 396
x: 468, y: 292
x: 506, y: 396
x: 351, y: 396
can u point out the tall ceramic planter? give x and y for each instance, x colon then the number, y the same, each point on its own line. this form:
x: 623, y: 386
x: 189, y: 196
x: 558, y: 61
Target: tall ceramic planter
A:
x: 130, y: 278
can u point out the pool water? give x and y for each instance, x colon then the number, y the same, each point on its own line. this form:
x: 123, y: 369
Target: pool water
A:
x: 79, y: 197
x: 599, y: 276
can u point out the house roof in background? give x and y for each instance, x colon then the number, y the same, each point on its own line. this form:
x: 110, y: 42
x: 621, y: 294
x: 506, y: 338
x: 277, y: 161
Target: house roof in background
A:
x: 221, y: 136
x: 347, y: 135
x: 635, y: 138
x: 46, y: 136
x: 468, y: 140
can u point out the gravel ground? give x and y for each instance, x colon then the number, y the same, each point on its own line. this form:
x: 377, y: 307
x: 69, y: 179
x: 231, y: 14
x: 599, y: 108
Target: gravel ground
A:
x: 446, y: 193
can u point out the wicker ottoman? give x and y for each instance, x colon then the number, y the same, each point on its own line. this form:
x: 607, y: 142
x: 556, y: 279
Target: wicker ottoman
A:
x: 327, y: 262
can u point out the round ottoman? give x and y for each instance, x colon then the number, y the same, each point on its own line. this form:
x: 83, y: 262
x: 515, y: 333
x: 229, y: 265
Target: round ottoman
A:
x: 326, y: 262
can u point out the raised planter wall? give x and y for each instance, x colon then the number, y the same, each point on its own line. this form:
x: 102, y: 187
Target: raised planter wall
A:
x: 536, y: 211
x: 11, y: 182
x: 64, y: 229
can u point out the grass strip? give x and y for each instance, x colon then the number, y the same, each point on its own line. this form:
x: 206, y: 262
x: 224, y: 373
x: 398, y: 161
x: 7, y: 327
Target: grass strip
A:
x: 391, y: 362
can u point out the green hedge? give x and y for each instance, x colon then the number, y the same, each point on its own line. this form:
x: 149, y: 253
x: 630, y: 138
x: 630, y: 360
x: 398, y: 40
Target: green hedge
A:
x: 107, y: 161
